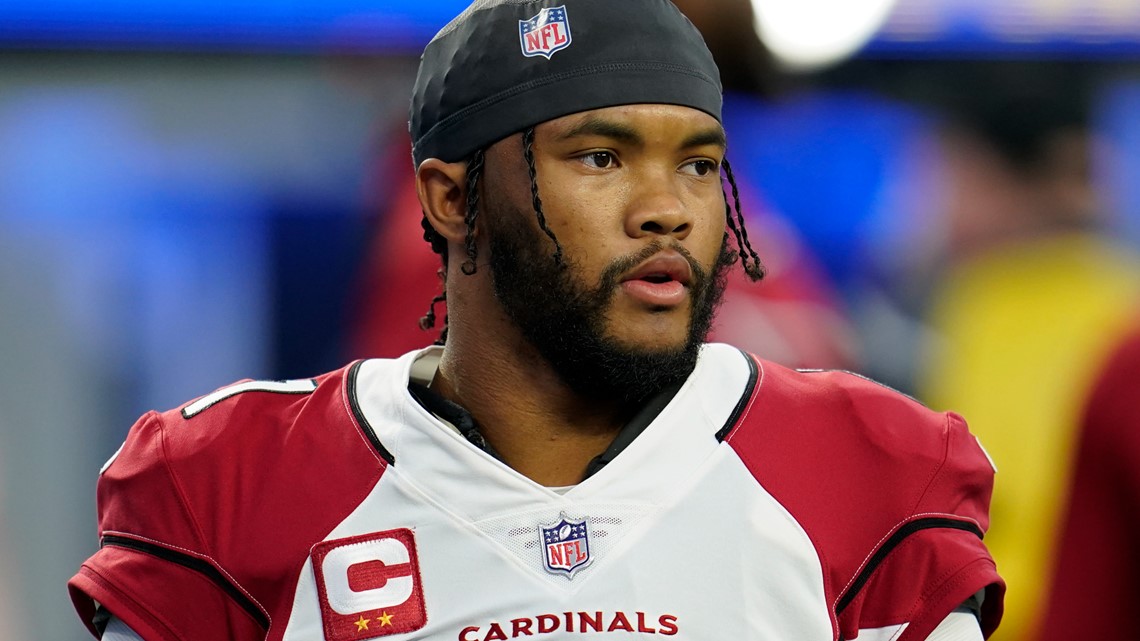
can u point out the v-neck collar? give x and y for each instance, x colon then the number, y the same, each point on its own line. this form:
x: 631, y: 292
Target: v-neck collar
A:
x: 654, y: 457
x: 462, y: 420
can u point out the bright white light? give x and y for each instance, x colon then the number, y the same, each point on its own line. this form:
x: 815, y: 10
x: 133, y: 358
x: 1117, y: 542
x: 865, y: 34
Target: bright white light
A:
x: 809, y: 34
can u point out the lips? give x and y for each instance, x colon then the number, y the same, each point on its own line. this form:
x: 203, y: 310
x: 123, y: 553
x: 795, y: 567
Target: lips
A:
x: 660, y: 281
x: 663, y: 267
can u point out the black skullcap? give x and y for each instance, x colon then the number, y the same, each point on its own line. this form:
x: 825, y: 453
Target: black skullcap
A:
x: 482, y: 79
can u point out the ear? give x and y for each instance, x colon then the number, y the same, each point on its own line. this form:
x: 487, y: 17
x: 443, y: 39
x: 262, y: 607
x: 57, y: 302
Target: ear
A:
x: 442, y: 189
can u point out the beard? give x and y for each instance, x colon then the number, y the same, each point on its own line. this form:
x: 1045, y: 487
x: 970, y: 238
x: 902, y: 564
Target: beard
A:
x: 565, y: 319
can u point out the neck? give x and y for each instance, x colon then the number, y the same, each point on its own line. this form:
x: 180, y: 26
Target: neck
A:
x: 533, y: 420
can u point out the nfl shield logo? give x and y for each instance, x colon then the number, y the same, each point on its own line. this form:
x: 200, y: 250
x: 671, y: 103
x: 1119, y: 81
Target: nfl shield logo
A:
x: 545, y: 33
x: 565, y: 547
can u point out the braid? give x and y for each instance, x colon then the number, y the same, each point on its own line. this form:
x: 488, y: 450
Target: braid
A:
x: 439, y: 243
x: 428, y: 321
x: 731, y: 220
x: 474, y: 173
x: 755, y: 268
x: 528, y: 153
x: 439, y: 246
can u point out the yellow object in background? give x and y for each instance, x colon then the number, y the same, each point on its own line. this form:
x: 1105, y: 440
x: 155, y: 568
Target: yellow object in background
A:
x: 1021, y: 332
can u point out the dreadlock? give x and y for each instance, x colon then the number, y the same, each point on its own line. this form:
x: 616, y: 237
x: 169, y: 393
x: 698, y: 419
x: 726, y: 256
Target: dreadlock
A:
x: 528, y: 153
x: 474, y: 173
x: 439, y: 243
x: 439, y: 246
x: 749, y: 259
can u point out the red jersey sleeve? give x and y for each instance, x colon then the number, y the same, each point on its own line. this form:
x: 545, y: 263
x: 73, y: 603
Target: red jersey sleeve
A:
x: 208, y: 513
x: 895, y: 497
x: 153, y: 570
x: 934, y: 559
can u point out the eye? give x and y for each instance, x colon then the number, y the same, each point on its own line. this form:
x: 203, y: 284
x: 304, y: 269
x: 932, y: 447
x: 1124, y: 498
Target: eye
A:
x: 599, y: 160
x: 702, y: 167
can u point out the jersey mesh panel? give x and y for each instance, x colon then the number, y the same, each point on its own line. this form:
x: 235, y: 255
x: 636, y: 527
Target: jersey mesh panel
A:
x: 607, y: 525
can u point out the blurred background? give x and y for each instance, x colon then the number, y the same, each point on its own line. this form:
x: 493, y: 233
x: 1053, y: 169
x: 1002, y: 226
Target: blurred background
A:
x: 193, y: 192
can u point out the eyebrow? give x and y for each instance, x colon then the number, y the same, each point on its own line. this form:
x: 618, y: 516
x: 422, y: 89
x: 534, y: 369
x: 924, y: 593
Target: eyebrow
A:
x: 594, y: 126
x: 713, y: 137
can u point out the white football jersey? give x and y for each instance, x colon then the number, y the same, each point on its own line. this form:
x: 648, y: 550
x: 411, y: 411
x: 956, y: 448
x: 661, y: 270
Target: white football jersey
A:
x: 761, y: 503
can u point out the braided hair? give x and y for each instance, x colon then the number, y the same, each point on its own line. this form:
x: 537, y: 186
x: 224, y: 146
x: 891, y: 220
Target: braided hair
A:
x: 734, y: 217
x: 439, y: 243
x: 749, y: 259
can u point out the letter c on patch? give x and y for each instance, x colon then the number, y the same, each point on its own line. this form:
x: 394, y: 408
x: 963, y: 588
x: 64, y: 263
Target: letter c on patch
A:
x: 397, y: 583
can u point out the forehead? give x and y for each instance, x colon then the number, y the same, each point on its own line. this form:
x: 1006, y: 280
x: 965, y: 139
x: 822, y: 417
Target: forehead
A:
x: 657, y: 119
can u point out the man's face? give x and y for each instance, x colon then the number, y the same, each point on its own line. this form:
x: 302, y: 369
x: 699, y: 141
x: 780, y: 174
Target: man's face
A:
x: 633, y: 194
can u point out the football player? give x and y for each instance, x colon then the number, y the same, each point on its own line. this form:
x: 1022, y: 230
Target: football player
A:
x: 571, y: 459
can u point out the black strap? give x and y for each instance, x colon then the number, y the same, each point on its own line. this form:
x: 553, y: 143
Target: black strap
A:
x: 455, y: 414
x: 100, y: 620
x: 633, y: 428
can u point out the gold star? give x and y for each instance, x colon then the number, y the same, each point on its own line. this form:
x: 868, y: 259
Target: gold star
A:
x: 362, y: 624
x: 385, y: 619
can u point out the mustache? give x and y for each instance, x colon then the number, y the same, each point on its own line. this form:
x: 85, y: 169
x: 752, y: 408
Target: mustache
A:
x: 613, y: 272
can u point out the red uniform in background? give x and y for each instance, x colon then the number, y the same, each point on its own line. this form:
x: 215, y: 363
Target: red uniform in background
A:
x: 1095, y: 588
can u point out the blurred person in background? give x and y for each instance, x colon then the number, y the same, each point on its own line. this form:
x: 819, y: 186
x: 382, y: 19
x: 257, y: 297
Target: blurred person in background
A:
x: 1033, y: 294
x: 795, y: 319
x: 1094, y: 591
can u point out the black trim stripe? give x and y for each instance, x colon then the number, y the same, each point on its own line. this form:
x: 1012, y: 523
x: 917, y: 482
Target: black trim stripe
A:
x: 354, y: 403
x: 900, y: 535
x: 749, y: 391
x: 193, y: 563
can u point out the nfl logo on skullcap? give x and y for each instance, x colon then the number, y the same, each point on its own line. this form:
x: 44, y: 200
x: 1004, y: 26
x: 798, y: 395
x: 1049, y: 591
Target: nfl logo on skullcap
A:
x: 546, y: 33
x: 565, y: 547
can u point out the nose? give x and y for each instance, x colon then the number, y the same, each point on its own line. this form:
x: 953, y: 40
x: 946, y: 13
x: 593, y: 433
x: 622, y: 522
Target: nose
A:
x: 657, y: 209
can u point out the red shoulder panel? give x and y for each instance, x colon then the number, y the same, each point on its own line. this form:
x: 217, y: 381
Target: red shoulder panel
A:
x: 238, y: 493
x: 894, y: 496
